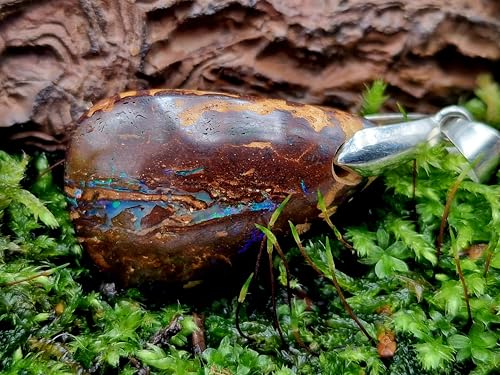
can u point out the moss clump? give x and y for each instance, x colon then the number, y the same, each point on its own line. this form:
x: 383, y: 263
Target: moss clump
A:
x: 424, y: 314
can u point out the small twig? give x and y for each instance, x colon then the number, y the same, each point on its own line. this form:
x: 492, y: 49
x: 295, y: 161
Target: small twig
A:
x: 333, y: 279
x: 487, y: 263
x: 32, y: 277
x: 295, y: 330
x: 259, y: 256
x: 141, y: 369
x: 287, y: 271
x: 326, y: 217
x: 337, y: 233
x: 273, y: 298
x: 298, y: 339
x: 44, y: 273
x: 489, y: 257
x: 271, y: 243
x: 444, y: 219
x: 237, y: 322
x: 309, y: 260
x: 163, y: 336
x: 466, y: 292
x: 349, y: 310
x: 57, y: 350
x: 456, y: 258
x: 414, y: 194
x: 239, y: 303
x: 198, y: 336
x: 47, y: 170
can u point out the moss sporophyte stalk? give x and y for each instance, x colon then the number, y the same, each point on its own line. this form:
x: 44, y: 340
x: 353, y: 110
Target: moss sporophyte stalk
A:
x: 421, y: 313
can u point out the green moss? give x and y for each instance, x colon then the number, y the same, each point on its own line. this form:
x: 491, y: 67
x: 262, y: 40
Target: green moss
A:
x: 374, y: 97
x: 55, y: 321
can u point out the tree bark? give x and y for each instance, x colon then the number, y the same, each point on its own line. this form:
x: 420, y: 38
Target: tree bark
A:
x: 59, y: 56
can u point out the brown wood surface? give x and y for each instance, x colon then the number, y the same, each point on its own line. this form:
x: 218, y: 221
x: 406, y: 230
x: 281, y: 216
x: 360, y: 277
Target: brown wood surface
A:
x: 57, y: 57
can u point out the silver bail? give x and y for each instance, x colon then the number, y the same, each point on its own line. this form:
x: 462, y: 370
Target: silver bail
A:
x: 374, y: 149
x: 478, y: 142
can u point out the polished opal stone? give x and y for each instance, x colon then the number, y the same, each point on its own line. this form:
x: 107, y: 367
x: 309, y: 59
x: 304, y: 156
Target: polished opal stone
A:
x: 168, y: 185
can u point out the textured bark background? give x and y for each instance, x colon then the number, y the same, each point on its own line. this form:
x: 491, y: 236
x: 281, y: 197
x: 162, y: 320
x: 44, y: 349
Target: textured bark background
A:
x: 59, y: 56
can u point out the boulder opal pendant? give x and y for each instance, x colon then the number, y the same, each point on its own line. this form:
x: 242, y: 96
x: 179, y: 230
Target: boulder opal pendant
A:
x: 167, y: 185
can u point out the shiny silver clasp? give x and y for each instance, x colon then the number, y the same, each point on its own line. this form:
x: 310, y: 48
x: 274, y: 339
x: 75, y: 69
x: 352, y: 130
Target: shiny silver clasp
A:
x: 374, y: 149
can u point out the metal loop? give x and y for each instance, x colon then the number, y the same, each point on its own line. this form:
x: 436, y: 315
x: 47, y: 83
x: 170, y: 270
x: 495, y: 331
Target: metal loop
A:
x: 451, y: 112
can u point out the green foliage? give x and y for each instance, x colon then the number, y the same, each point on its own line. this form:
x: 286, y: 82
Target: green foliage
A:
x: 55, y: 321
x: 433, y: 354
x: 387, y: 257
x: 244, y: 289
x: 486, y: 105
x: 12, y: 194
x: 179, y: 361
x: 479, y: 345
x: 374, y: 97
x: 235, y: 359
